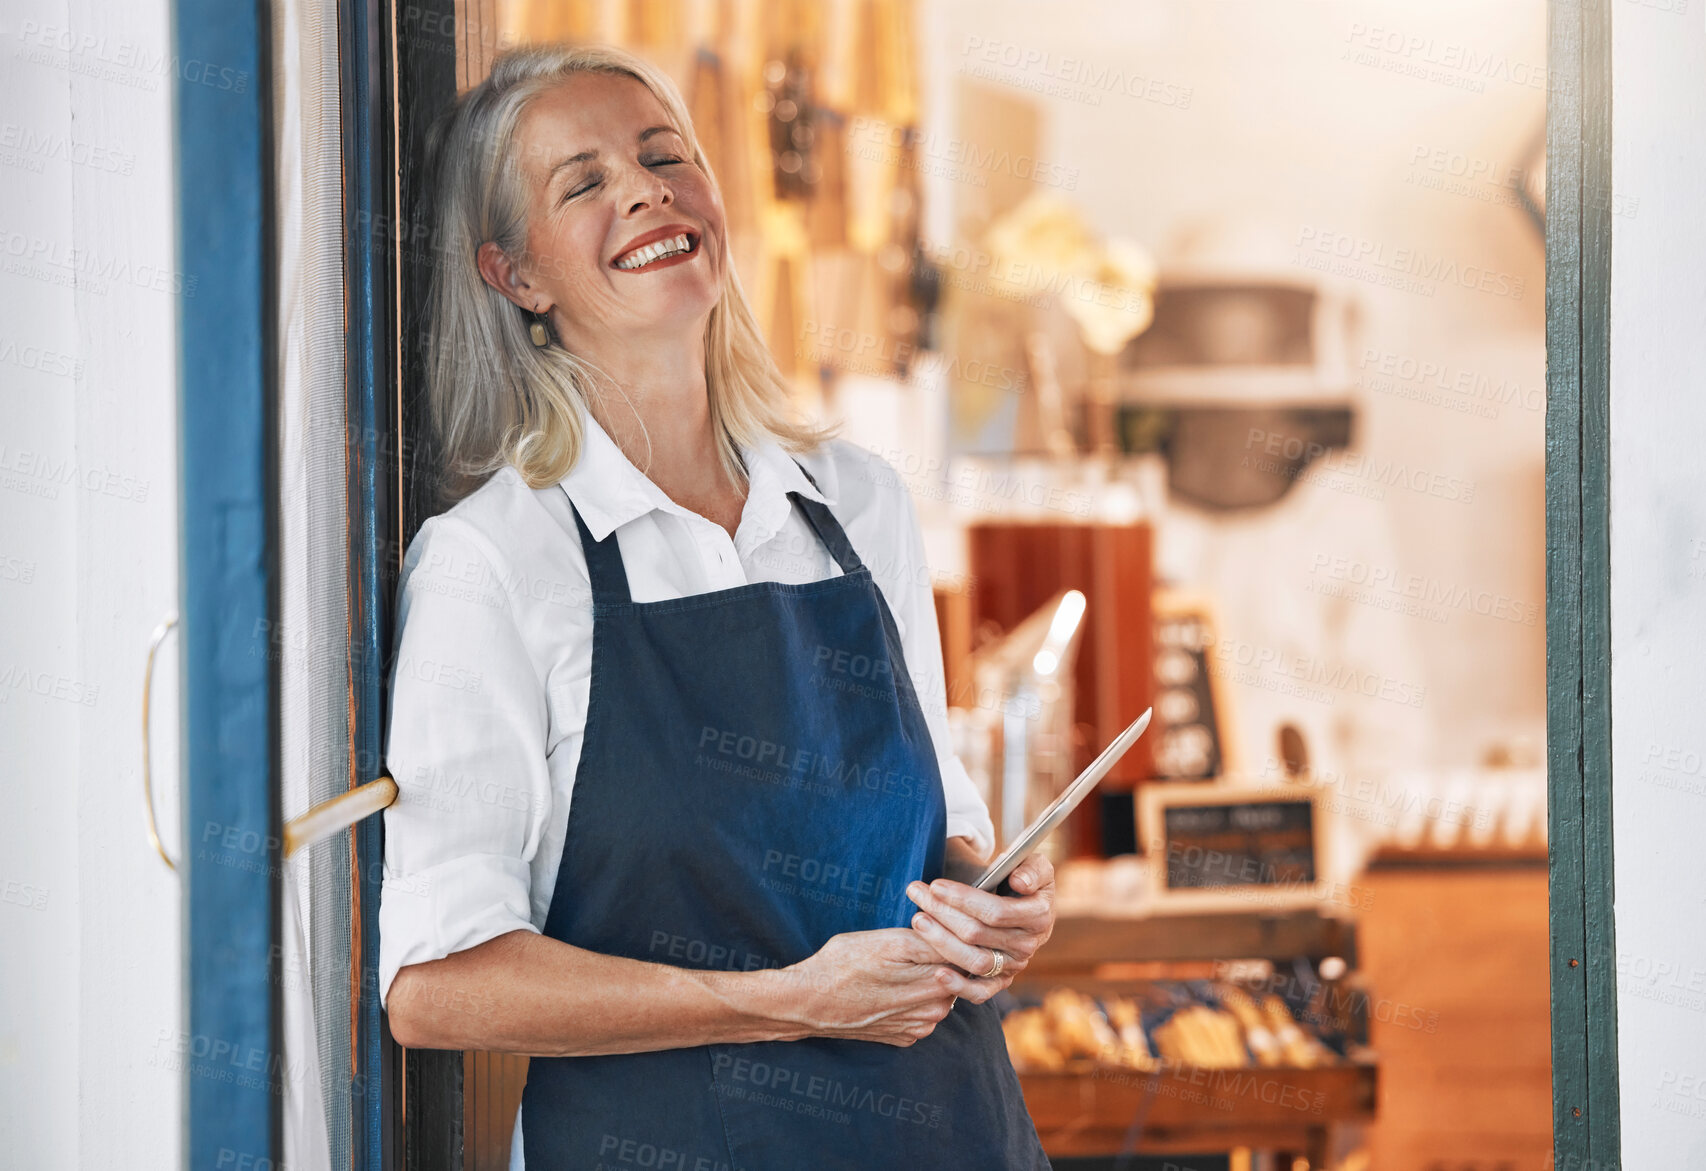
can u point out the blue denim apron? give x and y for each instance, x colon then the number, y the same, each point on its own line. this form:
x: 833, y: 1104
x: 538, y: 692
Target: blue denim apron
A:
x: 757, y: 776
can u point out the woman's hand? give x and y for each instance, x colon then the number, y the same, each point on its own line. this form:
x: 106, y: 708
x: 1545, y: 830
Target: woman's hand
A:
x: 887, y: 986
x: 989, y: 936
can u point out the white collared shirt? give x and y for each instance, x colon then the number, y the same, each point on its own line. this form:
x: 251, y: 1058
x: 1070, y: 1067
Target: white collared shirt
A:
x: 490, y: 680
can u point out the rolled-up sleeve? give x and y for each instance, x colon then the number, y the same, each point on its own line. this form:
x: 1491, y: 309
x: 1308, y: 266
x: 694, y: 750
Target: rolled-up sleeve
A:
x: 467, y: 747
x: 921, y: 643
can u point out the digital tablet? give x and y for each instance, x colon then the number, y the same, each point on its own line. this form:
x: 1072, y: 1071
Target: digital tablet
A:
x: 1021, y: 847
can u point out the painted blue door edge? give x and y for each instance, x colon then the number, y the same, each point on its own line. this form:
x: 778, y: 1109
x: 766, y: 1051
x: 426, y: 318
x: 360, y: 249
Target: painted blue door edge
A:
x: 234, y: 1070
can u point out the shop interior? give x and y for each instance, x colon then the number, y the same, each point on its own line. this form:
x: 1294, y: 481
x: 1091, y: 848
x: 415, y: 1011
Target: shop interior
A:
x: 1209, y: 342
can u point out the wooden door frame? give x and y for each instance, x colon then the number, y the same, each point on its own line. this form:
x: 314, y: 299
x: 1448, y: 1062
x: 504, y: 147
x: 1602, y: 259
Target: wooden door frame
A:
x: 1586, y: 1126
x: 365, y: 99
x: 425, y: 1131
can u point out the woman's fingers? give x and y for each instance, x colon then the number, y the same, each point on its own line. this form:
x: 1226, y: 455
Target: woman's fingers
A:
x: 905, y: 947
x: 1032, y: 875
x: 974, y: 989
x: 973, y: 927
x: 966, y: 956
x: 982, y: 906
x: 896, y: 985
x: 971, y: 960
x: 916, y: 964
x: 1017, y: 926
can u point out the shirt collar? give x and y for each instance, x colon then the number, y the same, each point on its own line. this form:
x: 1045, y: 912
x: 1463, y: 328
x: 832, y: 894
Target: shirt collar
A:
x: 771, y: 474
x: 767, y: 460
x: 609, y: 491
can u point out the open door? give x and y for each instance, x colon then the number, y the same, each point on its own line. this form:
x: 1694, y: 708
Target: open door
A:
x: 289, y: 546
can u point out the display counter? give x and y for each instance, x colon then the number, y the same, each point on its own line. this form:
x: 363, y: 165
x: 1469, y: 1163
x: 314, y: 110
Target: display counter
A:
x: 1291, y: 1112
x: 1280, y: 1060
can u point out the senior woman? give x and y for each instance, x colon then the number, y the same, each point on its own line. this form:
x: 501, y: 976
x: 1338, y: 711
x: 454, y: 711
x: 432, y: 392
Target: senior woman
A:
x: 678, y: 813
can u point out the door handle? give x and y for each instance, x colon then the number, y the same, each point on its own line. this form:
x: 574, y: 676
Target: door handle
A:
x: 323, y: 820
x: 338, y: 813
x: 154, y: 641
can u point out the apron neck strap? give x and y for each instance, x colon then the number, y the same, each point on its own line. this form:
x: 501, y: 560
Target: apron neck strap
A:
x: 603, y: 564
x: 827, y: 528
x: 610, y: 577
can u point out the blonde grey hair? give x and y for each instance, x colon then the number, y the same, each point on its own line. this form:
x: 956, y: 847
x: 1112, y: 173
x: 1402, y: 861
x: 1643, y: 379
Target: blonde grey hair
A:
x: 493, y: 397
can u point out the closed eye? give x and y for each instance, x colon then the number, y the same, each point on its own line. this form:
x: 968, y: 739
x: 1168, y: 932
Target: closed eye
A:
x: 668, y: 161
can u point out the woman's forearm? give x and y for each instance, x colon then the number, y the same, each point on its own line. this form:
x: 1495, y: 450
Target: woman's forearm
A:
x: 528, y: 993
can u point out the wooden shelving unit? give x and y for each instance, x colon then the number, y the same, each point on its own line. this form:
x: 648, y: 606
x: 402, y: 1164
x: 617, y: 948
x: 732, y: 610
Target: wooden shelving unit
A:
x: 1083, y: 943
x: 1092, y: 1111
x: 1111, y: 1111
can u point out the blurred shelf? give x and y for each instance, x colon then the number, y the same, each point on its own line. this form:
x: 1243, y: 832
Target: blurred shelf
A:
x: 1398, y: 857
x: 1082, y: 943
x: 1110, y: 1110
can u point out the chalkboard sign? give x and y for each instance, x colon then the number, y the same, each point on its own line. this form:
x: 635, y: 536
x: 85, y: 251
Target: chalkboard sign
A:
x: 1210, y: 845
x: 1189, y: 744
x: 1251, y: 843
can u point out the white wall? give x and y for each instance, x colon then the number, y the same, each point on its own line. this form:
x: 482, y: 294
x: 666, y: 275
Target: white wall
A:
x: 1658, y: 577
x: 89, y: 917
x: 1306, y: 121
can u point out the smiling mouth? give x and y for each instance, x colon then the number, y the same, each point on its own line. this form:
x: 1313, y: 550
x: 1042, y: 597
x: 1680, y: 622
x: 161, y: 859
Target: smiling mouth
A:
x: 684, y: 244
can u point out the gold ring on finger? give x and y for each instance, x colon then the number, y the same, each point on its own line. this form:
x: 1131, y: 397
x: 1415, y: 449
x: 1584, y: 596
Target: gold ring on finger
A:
x: 998, y: 964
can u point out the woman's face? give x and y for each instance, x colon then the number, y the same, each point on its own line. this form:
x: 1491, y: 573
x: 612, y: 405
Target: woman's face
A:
x: 606, y: 176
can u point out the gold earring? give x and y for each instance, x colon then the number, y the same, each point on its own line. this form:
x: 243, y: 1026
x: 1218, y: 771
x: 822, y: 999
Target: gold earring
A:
x: 536, y: 331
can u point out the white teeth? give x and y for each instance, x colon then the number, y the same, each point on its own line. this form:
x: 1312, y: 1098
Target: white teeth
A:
x: 657, y: 250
